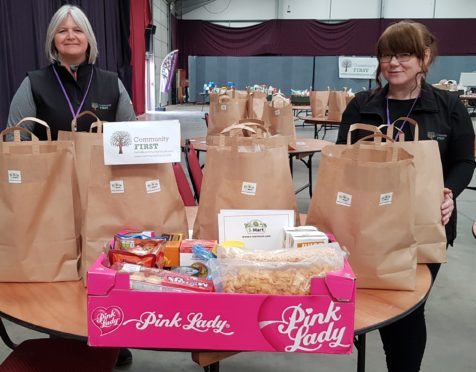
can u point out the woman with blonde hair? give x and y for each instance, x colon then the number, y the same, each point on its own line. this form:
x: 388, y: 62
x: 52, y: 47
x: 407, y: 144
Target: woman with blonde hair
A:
x: 72, y: 82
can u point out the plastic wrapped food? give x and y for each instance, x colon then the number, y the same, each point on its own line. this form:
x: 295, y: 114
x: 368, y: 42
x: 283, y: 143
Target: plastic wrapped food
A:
x: 153, y: 279
x: 285, y: 271
x: 325, y: 250
x: 137, y: 248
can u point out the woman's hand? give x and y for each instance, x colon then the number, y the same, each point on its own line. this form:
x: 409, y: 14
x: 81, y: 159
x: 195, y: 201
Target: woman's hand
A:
x: 447, y: 206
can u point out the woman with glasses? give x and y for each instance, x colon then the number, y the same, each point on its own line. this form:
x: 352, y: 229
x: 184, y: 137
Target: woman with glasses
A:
x: 405, y: 52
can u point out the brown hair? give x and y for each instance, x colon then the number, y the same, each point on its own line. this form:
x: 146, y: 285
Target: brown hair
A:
x: 407, y: 37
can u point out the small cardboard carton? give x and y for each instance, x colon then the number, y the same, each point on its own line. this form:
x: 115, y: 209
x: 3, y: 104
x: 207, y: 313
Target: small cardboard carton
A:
x: 188, y: 258
x: 172, y: 249
x: 322, y: 322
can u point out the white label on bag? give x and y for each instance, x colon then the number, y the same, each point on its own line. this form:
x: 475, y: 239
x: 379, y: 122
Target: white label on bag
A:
x: 386, y: 199
x: 223, y: 107
x: 248, y: 188
x: 277, y: 112
x: 152, y: 186
x: 14, y: 176
x: 117, y: 187
x: 344, y: 199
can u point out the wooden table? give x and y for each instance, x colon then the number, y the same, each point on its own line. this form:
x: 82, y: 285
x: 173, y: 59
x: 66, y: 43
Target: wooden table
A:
x: 323, y: 123
x: 60, y: 309
x: 302, y: 149
x: 374, y: 308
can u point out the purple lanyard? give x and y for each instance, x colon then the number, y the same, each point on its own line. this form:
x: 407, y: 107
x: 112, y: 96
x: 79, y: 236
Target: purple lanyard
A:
x: 397, y: 134
x: 66, y: 94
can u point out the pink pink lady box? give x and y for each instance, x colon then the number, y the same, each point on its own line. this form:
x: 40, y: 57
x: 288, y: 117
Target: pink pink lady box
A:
x: 322, y: 322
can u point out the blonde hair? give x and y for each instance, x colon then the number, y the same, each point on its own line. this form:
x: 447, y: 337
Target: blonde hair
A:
x: 83, y: 23
x: 407, y: 37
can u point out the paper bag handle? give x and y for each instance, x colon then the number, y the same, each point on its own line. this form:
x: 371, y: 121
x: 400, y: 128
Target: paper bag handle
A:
x: 243, y: 127
x: 97, y: 124
x: 409, y: 121
x: 223, y: 97
x: 390, y: 128
x: 16, y: 133
x: 256, y: 123
x: 376, y: 136
x: 361, y: 126
x: 37, y: 121
x: 379, y: 137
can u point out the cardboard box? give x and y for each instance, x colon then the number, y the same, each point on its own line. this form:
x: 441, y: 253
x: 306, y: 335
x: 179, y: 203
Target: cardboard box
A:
x: 322, y: 322
x: 187, y: 258
x: 172, y: 249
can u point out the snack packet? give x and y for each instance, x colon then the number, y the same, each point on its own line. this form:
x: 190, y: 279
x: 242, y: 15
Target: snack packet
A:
x: 138, y: 248
x: 153, y: 279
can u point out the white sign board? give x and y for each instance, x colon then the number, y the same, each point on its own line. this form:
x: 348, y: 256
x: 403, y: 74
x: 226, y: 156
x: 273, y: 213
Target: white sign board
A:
x: 141, y: 142
x: 468, y: 79
x: 357, y: 67
x: 258, y: 229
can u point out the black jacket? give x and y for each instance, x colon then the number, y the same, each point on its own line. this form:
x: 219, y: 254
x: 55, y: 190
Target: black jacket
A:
x: 52, y: 106
x: 441, y: 116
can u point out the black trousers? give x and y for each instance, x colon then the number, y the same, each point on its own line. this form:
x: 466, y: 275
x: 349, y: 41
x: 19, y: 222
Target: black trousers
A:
x: 404, y: 341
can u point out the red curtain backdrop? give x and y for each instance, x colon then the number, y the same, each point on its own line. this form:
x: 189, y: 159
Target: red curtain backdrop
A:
x: 140, y: 17
x: 307, y: 37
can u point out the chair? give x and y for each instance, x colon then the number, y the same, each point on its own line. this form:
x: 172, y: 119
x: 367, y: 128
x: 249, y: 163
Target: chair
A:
x: 471, y: 106
x: 183, y: 185
x: 194, y: 168
x: 59, y: 355
x: 205, y: 117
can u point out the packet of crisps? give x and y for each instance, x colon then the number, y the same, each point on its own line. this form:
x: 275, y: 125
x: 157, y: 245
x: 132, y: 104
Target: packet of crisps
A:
x: 139, y: 248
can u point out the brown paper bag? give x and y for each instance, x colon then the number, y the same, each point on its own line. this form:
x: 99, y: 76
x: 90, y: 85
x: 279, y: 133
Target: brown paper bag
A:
x: 225, y: 111
x: 278, y: 117
x: 364, y: 195
x: 319, y: 101
x: 337, y: 105
x: 39, y: 209
x: 247, y: 128
x: 429, y: 231
x: 83, y: 141
x: 242, y: 94
x: 139, y: 196
x: 243, y: 173
x: 256, y: 104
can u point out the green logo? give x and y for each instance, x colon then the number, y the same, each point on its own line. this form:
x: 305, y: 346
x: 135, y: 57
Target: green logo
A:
x: 255, y: 227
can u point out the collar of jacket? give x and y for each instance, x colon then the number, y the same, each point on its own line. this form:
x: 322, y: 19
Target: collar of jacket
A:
x: 83, y: 73
x: 426, y: 103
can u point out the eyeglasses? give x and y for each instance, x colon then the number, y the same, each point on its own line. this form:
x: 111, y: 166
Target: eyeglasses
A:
x: 400, y: 57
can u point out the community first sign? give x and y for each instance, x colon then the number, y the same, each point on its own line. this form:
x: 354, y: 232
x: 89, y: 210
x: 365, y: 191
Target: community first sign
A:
x: 141, y: 142
x: 357, y: 67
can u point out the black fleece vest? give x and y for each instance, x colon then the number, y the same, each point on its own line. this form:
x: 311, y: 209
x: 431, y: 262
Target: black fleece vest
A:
x: 51, y: 103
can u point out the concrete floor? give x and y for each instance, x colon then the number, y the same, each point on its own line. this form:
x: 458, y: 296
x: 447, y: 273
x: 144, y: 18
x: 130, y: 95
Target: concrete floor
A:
x: 451, y: 307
